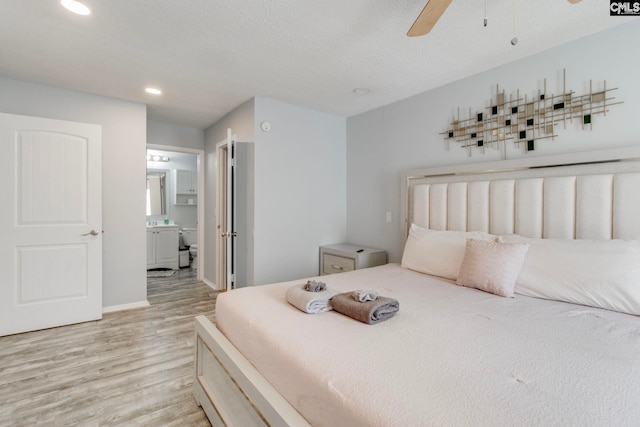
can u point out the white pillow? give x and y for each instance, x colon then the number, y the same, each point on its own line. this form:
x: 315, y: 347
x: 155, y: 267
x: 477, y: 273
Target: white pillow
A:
x: 492, y: 266
x: 438, y: 253
x: 597, y: 273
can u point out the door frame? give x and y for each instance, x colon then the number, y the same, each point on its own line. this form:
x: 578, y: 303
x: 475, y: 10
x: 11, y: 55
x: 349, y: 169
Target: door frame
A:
x: 222, y: 148
x: 201, y: 197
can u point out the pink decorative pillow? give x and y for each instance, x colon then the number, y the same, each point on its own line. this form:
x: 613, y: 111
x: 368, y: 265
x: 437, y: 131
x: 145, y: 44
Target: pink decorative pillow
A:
x: 492, y: 266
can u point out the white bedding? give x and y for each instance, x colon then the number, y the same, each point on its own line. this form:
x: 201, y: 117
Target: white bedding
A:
x: 452, y: 356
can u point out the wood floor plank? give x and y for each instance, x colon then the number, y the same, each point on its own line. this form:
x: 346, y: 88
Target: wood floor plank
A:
x: 131, y: 368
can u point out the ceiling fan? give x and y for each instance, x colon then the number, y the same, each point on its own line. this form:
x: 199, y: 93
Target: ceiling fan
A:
x: 429, y: 16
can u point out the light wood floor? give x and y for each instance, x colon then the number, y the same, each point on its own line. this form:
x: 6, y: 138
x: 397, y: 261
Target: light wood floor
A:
x: 131, y: 368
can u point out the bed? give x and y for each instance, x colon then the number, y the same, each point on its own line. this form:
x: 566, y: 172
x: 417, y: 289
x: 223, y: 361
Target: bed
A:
x: 555, y: 354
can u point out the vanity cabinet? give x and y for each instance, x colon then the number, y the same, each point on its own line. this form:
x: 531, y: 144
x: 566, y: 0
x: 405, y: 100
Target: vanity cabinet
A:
x: 162, y: 247
x: 186, y: 187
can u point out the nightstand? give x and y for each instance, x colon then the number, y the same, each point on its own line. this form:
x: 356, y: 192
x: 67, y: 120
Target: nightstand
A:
x: 347, y: 257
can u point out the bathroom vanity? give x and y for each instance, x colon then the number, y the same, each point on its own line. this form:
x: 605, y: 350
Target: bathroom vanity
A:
x: 162, y: 246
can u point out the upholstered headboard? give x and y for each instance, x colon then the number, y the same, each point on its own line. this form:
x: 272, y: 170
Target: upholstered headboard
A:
x: 594, y: 195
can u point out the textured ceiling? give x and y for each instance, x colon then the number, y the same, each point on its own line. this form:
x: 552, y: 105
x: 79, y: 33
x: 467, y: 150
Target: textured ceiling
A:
x: 209, y: 56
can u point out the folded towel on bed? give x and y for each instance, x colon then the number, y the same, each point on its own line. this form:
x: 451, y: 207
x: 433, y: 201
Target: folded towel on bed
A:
x: 309, y: 302
x: 370, y: 312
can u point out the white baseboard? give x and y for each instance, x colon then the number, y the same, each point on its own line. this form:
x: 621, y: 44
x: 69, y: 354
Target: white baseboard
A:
x: 210, y: 284
x: 112, y: 308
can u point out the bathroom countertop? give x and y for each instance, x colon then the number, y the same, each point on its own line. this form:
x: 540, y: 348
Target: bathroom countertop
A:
x: 162, y: 225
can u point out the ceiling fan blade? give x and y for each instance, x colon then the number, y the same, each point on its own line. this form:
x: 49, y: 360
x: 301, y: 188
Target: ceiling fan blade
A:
x: 432, y: 11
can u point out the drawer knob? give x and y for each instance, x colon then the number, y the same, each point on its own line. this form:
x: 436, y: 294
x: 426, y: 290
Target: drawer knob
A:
x: 337, y: 267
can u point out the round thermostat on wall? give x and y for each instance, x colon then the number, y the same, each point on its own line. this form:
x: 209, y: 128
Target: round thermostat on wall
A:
x: 265, y: 126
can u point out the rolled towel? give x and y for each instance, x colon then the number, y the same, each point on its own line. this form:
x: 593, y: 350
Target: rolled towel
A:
x: 309, y: 302
x: 370, y: 312
x: 315, y: 286
x: 363, y: 296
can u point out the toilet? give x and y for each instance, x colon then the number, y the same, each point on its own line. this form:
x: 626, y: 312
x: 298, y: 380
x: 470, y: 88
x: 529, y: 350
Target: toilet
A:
x: 190, y: 238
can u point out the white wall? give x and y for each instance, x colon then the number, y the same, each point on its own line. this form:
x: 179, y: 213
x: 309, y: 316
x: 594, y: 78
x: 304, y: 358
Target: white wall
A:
x: 300, y: 194
x: 405, y: 135
x: 123, y: 159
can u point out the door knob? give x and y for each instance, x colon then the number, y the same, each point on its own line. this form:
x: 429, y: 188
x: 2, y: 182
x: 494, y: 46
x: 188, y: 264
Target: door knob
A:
x: 92, y: 232
x: 223, y: 234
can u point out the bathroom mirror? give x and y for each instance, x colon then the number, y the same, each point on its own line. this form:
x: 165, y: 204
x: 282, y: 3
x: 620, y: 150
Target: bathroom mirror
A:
x: 156, y: 192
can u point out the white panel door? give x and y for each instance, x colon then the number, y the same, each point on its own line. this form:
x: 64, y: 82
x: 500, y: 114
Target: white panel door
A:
x: 50, y: 223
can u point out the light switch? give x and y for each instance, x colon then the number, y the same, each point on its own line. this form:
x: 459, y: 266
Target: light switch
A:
x: 389, y: 217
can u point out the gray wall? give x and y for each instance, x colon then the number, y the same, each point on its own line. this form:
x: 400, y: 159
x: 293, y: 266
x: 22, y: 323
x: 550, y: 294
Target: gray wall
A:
x: 174, y: 135
x: 123, y: 164
x: 405, y: 135
x: 300, y: 193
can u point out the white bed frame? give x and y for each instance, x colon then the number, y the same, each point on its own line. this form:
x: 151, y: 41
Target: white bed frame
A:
x: 230, y: 390
x: 593, y: 195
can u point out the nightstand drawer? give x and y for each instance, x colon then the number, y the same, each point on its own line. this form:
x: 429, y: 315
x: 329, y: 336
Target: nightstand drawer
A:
x: 336, y: 264
x: 345, y: 257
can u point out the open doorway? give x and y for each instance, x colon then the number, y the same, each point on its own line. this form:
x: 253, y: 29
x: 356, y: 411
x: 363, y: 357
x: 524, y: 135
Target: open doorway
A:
x: 177, y: 173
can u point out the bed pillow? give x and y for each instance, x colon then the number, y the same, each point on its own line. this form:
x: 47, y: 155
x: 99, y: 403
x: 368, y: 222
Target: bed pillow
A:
x: 438, y: 253
x: 597, y: 273
x: 492, y: 266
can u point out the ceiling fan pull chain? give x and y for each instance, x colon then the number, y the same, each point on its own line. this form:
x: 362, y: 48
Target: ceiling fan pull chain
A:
x: 514, y: 40
x: 486, y: 19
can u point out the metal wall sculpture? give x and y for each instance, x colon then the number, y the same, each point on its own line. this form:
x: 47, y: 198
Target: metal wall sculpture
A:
x: 525, y: 121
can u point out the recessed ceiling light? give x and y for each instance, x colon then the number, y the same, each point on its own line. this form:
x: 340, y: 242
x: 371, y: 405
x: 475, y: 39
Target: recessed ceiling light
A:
x: 75, y: 7
x: 361, y: 90
x: 153, y: 91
